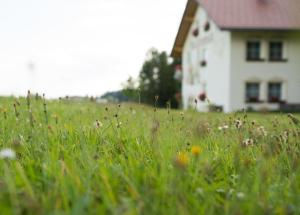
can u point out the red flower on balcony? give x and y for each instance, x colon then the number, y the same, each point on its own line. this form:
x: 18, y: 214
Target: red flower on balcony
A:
x: 202, y: 96
x: 178, y: 67
x: 203, y: 63
x: 196, y: 32
x: 274, y: 99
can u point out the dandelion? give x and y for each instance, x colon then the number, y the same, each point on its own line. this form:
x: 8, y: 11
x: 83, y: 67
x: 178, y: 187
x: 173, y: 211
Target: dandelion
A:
x: 181, y: 160
x: 7, y: 154
x: 196, y: 150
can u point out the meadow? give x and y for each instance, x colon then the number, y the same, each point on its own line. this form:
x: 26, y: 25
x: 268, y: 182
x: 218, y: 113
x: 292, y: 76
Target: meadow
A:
x: 67, y: 157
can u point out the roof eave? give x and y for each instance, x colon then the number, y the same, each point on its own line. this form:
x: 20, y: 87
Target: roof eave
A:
x: 185, y: 24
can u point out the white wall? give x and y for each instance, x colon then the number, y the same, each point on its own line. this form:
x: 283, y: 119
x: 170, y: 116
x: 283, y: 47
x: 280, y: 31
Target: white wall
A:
x: 264, y: 72
x: 215, y: 77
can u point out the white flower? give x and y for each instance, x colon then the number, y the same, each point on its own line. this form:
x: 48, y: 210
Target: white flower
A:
x: 262, y: 131
x: 119, y: 124
x: 223, y: 128
x: 248, y: 142
x: 98, y: 124
x: 7, y: 154
x: 240, y: 195
x: 199, y: 191
x: 220, y: 190
x: 238, y: 123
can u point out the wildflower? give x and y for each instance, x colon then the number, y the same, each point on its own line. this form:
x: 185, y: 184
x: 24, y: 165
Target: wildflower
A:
x: 220, y: 190
x: 230, y: 192
x: 284, y: 136
x: 98, y: 124
x: 55, y: 117
x: 7, y: 154
x: 196, y: 150
x: 240, y: 195
x: 4, y: 113
x: 119, y: 124
x: 199, y: 191
x: 248, y: 142
x: 261, y: 131
x: 223, y: 128
x: 238, y: 123
x: 181, y: 160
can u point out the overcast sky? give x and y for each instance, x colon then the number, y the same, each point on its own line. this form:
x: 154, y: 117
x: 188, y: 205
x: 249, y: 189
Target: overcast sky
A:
x: 80, y: 47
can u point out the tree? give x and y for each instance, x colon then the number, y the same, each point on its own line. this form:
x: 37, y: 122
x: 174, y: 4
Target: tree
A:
x: 157, y: 79
x: 131, y: 90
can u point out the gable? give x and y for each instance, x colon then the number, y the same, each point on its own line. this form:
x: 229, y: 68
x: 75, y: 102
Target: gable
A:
x: 279, y: 15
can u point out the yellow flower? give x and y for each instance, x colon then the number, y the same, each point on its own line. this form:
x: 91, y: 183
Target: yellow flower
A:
x: 181, y: 160
x: 196, y: 150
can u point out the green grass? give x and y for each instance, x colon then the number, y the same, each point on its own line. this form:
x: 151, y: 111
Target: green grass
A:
x: 139, y: 161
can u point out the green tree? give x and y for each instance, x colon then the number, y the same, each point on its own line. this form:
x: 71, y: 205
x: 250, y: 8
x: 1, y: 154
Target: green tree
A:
x: 131, y: 90
x: 157, y: 79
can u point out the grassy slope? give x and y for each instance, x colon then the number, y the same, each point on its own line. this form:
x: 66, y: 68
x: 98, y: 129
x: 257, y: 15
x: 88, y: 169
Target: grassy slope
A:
x: 72, y: 167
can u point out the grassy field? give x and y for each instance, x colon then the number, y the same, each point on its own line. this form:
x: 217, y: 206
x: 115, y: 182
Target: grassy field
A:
x: 86, y: 158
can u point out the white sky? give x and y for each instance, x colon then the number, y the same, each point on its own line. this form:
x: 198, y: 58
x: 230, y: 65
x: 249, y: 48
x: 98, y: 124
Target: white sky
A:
x: 80, y: 47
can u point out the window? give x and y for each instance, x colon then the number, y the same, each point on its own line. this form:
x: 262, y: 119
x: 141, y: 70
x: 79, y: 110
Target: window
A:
x: 274, y: 92
x: 253, y: 50
x: 276, y: 51
x: 252, y: 92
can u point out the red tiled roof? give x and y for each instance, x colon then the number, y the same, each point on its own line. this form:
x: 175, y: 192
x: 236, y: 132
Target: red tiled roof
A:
x: 241, y: 15
x: 254, y: 14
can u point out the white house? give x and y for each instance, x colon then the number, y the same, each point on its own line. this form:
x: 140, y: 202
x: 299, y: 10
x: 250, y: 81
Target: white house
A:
x: 240, y: 54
